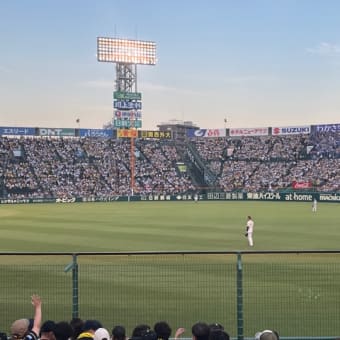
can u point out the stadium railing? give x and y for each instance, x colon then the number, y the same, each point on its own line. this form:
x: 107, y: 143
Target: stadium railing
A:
x: 294, y: 292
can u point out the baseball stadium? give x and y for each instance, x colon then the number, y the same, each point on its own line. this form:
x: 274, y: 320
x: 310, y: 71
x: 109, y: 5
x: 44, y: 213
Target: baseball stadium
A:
x: 165, y: 240
x: 125, y: 226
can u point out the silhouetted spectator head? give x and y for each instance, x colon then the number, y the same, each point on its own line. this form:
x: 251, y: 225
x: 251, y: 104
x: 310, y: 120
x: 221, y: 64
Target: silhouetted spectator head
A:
x: 91, y: 325
x: 118, y: 333
x: 267, y: 335
x: 47, y: 330
x: 143, y: 332
x: 77, y: 325
x: 162, y: 330
x: 140, y: 330
x: 63, y: 331
x: 218, y: 334
x: 200, y: 331
x: 214, y: 326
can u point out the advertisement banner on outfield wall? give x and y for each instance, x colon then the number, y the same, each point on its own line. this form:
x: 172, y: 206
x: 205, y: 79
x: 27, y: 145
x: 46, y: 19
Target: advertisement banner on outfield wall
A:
x: 261, y: 131
x: 101, y: 133
x: 16, y: 131
x: 154, y: 134
x: 328, y: 128
x: 56, y: 132
x: 281, y: 196
x: 207, y: 133
x: 291, y: 130
x: 127, y: 133
x: 210, y: 196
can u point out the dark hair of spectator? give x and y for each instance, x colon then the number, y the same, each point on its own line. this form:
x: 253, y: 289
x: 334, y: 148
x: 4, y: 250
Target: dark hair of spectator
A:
x: 63, y: 330
x: 143, y: 332
x: 47, y: 326
x: 118, y: 333
x: 140, y: 330
x: 214, y: 326
x: 200, y: 331
x: 92, y: 325
x: 162, y: 330
x: 218, y: 334
x: 77, y: 325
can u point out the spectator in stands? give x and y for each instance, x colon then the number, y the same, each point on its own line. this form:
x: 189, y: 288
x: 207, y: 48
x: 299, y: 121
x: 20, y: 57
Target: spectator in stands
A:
x: 63, y: 331
x: 139, y: 330
x: 90, y: 326
x: 77, y: 325
x: 162, y: 330
x: 20, y: 328
x: 216, y: 326
x: 200, y: 331
x: 218, y: 334
x: 99, y: 168
x: 143, y: 332
x: 101, y: 334
x: 118, y: 333
x: 267, y: 335
x: 47, y: 330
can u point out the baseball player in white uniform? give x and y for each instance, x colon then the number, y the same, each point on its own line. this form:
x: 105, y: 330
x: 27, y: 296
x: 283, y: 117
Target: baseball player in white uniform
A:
x: 315, y: 205
x: 249, y: 231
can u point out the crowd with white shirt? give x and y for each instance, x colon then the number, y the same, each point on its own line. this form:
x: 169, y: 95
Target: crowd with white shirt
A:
x: 75, y: 167
x: 93, y: 167
x: 259, y: 163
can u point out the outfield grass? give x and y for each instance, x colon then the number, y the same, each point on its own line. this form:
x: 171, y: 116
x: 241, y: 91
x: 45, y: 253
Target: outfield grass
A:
x: 167, y: 226
x: 296, y: 294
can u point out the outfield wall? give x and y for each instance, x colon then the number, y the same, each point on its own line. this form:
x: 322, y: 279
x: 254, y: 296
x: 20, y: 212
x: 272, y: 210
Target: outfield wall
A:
x: 292, y: 196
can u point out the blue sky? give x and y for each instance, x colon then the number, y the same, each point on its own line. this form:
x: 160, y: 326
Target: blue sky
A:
x: 256, y: 63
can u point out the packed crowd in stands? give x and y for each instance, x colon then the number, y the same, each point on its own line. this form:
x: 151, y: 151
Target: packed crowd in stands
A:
x: 78, y: 329
x: 87, y: 167
x: 92, y: 167
x: 261, y: 163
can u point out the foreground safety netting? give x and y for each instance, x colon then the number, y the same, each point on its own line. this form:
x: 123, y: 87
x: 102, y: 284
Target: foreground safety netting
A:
x: 296, y: 293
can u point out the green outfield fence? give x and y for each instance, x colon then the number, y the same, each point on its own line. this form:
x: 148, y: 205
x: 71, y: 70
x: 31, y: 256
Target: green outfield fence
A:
x: 296, y: 293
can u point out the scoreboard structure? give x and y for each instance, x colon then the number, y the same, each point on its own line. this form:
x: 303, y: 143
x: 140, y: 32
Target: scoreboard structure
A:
x: 127, y: 101
x: 126, y: 54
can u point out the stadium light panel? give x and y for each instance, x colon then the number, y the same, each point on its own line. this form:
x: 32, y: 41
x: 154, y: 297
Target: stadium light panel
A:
x: 126, y: 51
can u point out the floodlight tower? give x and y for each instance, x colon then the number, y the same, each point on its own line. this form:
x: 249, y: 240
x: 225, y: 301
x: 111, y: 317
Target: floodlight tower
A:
x: 126, y: 77
x: 127, y: 54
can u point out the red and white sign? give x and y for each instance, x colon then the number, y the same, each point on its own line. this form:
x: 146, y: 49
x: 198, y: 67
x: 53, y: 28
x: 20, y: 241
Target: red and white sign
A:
x: 301, y: 185
x: 261, y: 131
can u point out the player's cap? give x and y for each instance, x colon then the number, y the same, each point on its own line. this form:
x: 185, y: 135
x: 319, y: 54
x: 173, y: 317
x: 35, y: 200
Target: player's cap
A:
x: 266, y: 335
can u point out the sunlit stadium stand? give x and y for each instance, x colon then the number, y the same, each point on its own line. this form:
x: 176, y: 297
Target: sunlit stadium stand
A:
x: 101, y: 167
